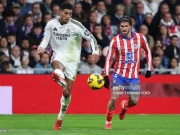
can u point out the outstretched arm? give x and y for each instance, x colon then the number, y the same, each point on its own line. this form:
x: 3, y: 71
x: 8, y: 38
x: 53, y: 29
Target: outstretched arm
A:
x: 46, y: 38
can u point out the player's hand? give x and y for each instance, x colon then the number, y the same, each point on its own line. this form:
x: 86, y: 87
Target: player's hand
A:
x: 106, y: 81
x: 95, y: 57
x: 40, y: 50
x: 148, y: 74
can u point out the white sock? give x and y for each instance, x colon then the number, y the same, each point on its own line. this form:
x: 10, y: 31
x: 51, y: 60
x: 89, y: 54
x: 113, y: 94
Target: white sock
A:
x: 59, y: 72
x: 64, y: 105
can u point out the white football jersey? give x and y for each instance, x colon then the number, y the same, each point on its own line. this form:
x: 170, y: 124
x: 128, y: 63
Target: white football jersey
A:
x: 66, y: 39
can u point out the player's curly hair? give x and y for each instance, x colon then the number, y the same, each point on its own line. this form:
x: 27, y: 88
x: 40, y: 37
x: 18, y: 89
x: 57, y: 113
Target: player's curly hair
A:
x: 125, y: 19
x: 66, y: 5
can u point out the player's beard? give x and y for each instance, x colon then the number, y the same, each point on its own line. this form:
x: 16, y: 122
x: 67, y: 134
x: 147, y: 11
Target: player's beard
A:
x: 125, y: 33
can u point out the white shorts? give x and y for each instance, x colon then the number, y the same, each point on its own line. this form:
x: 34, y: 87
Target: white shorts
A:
x: 70, y: 69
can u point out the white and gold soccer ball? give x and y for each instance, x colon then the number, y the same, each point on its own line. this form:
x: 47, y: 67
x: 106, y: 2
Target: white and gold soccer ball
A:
x: 95, y: 81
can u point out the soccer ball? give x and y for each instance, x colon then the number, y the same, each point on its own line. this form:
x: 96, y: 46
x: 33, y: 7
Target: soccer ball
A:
x: 95, y: 81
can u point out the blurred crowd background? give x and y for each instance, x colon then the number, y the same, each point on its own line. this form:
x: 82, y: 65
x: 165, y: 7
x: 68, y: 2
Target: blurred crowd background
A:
x: 22, y: 23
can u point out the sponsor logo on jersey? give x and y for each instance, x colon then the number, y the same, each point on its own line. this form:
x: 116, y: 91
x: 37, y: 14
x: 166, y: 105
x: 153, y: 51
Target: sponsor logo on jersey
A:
x: 60, y: 36
x: 87, y: 33
x: 55, y: 29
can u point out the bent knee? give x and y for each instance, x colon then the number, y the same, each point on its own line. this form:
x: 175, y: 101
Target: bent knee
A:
x: 66, y: 94
x: 133, y: 101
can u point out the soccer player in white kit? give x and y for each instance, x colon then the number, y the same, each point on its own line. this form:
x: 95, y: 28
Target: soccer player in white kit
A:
x: 64, y: 35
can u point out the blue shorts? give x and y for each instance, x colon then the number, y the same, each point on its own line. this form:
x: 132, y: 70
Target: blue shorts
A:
x: 126, y: 84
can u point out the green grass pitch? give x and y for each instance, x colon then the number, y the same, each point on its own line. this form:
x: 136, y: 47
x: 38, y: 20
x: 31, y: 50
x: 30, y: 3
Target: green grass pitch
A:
x: 90, y: 125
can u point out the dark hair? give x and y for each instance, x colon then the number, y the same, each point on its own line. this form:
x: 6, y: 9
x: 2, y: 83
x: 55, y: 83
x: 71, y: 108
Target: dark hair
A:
x: 4, y: 66
x: 37, y: 25
x: 173, y: 36
x: 66, y: 5
x: 125, y: 19
x: 11, y: 34
x: 155, y: 55
x: 169, y: 66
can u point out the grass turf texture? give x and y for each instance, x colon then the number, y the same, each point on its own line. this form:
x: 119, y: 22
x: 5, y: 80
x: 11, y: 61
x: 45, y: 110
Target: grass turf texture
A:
x: 90, y: 125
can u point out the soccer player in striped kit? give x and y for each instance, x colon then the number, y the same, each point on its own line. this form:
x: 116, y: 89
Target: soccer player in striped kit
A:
x: 126, y: 47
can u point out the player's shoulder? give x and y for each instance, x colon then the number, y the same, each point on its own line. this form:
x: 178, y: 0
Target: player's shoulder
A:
x: 55, y: 19
x: 76, y: 23
x: 139, y: 34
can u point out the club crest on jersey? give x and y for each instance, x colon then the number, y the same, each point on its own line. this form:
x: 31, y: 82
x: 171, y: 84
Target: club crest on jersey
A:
x: 136, y: 46
x: 68, y: 30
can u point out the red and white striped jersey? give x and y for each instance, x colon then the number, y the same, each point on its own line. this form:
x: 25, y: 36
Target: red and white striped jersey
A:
x: 127, y: 52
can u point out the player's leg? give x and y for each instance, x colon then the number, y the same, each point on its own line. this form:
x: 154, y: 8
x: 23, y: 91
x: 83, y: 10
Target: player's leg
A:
x: 57, y: 74
x: 133, y: 91
x: 115, y: 92
x: 70, y: 75
x: 65, y: 101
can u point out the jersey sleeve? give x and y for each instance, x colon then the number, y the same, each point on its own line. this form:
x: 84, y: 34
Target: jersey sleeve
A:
x: 88, y: 36
x: 109, y: 56
x: 47, y: 36
x: 147, y: 50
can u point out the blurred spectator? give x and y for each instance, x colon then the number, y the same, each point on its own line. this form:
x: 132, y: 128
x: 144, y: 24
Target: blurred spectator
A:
x: 4, y: 46
x: 86, y: 5
x: 139, y: 15
x: 177, y: 13
x: 158, y: 43
x: 11, y: 37
x: 150, y: 6
x: 148, y: 21
x: 24, y: 68
x: 78, y: 13
x: 46, y: 18
x: 133, y: 29
x: 100, y: 10
x: 110, y: 6
x: 163, y: 36
x: 18, y: 18
x: 172, y: 4
x: 110, y: 30
x: 159, y: 50
x: 8, y: 25
x: 129, y: 7
x: 156, y: 64
x: 46, y: 6
x: 32, y: 1
x: 4, y: 58
x: 118, y: 14
x: 36, y: 12
x: 142, y: 59
x: 92, y: 18
x: 101, y: 61
x: 55, y: 11
x: 35, y: 35
x: 86, y: 49
x: 144, y: 30
x: 89, y: 67
x: 5, y: 68
x: 15, y: 57
x: 169, y: 23
x: 99, y: 35
x: 174, y: 64
x: 1, y: 10
x: 1, y: 53
x: 24, y: 7
x: 163, y: 8
x: 43, y: 64
x: 25, y: 29
x: 25, y: 47
x: 34, y: 57
x: 172, y: 50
